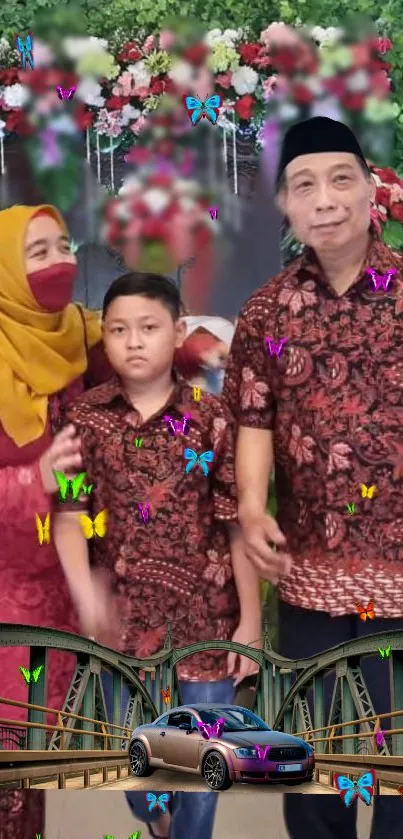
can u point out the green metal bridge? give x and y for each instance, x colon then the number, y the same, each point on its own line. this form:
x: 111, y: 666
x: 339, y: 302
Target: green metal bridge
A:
x: 281, y: 697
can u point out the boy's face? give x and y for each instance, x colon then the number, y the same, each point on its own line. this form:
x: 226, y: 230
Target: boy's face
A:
x: 140, y: 337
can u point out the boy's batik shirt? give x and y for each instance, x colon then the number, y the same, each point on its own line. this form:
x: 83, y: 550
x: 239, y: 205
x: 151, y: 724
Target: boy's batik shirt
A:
x: 177, y: 566
x: 333, y: 398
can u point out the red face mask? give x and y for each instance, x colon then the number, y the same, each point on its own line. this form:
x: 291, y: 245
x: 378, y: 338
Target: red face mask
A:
x: 53, y: 287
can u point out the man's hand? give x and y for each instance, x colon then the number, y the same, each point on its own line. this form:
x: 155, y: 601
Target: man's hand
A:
x: 262, y: 537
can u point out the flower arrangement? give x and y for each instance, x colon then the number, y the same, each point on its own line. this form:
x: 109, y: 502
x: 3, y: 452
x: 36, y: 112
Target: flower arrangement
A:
x: 387, y: 212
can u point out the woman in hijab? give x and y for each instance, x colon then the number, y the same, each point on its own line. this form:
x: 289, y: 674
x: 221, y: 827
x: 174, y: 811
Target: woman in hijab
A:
x: 49, y: 349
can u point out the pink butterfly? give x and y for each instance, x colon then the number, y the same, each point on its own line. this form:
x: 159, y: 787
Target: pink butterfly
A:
x: 381, y: 281
x: 214, y: 730
x: 145, y: 511
x: 273, y: 347
x: 174, y: 426
x: 262, y: 751
x: 380, y: 739
x: 65, y: 94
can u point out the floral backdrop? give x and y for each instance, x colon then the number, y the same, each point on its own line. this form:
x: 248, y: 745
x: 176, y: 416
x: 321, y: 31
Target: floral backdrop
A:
x: 284, y: 76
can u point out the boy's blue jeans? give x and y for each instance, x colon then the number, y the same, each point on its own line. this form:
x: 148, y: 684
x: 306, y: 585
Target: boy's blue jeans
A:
x: 188, y: 808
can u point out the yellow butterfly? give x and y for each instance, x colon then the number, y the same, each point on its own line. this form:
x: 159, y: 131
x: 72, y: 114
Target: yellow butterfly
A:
x: 367, y: 492
x: 94, y: 528
x: 43, y: 529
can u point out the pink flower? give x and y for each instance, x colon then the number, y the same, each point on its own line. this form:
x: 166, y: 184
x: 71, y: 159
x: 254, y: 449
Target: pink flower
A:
x: 396, y: 193
x: 124, y: 85
x: 270, y: 86
x: 224, y: 80
x: 138, y: 125
x: 384, y: 44
x: 167, y: 39
x: 142, y: 92
x: 149, y: 44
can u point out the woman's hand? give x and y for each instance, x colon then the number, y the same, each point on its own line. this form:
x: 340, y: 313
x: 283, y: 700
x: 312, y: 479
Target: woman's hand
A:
x: 240, y: 666
x: 62, y: 456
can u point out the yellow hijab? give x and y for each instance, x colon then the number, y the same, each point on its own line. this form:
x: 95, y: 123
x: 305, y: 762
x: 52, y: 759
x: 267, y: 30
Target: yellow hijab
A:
x: 40, y: 352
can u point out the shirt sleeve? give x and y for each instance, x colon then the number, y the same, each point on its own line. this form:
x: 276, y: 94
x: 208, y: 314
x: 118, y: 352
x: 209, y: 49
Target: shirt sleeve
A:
x: 246, y: 390
x: 224, y: 487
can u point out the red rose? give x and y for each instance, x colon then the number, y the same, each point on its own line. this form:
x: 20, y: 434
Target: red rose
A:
x: 17, y: 123
x: 157, y: 86
x: 196, y: 54
x: 249, y: 52
x: 153, y: 228
x: 130, y: 52
x: 140, y: 156
x: 244, y: 106
x: 335, y: 86
x: 301, y: 94
x: 115, y: 103
x: 83, y: 118
x: 353, y: 101
x: 383, y: 196
x: 160, y: 180
x: 8, y: 77
x: 396, y: 211
x: 387, y: 176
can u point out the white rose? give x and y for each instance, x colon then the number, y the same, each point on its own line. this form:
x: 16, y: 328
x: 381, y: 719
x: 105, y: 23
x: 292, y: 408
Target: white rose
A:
x: 130, y: 185
x: 317, y: 33
x: 89, y: 91
x: 76, y: 47
x: 213, y: 37
x: 358, y: 81
x: 16, y: 96
x: 181, y: 73
x: 187, y: 187
x: 129, y: 113
x: 244, y: 80
x: 156, y: 200
x: 140, y: 74
x: 230, y: 37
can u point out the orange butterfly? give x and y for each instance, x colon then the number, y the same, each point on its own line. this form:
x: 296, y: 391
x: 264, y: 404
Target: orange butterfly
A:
x: 166, y: 695
x: 366, y: 613
x: 400, y: 789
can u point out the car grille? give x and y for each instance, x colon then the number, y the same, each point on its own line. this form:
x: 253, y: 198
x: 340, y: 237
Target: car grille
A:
x: 287, y: 753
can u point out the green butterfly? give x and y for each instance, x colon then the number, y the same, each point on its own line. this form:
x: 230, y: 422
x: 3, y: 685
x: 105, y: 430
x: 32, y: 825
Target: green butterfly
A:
x: 28, y: 676
x: 66, y: 486
x: 384, y: 653
x: 75, y: 246
x: 88, y: 490
x: 135, y: 835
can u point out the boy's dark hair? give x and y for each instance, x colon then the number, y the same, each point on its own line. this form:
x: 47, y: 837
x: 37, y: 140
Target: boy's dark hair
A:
x: 282, y: 183
x: 153, y: 286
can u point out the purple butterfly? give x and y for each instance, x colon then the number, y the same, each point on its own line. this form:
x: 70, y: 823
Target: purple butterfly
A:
x: 145, y: 511
x: 273, y: 347
x: 380, y: 739
x: 379, y: 280
x: 213, y: 212
x: 214, y: 730
x: 262, y: 751
x: 174, y: 426
x: 65, y: 94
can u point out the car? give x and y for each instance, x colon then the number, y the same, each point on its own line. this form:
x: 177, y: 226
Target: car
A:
x: 238, y: 754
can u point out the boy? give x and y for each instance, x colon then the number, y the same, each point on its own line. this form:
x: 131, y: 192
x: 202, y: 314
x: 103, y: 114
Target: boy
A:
x: 171, y: 560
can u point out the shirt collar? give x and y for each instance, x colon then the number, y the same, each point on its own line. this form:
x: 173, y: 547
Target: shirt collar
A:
x: 379, y: 256
x: 181, y: 399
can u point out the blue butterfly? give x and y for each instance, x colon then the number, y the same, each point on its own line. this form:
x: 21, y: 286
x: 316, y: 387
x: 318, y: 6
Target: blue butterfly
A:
x: 160, y: 802
x: 202, y: 459
x: 209, y: 109
x: 25, y: 50
x: 350, y: 790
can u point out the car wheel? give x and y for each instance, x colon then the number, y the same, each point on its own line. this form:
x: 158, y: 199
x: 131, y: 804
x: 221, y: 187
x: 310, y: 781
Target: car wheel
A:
x: 139, y: 763
x: 215, y: 771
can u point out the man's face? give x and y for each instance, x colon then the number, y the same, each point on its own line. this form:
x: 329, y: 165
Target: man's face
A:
x: 327, y: 199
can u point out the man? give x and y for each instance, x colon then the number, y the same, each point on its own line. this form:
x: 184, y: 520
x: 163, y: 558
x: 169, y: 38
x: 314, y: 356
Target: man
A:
x: 325, y: 408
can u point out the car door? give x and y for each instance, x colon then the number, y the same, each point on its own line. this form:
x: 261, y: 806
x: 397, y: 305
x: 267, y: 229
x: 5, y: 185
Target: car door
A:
x: 179, y: 747
x: 156, y: 736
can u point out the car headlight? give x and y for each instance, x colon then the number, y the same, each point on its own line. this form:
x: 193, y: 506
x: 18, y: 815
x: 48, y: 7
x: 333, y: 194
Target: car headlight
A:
x: 309, y: 748
x: 245, y: 752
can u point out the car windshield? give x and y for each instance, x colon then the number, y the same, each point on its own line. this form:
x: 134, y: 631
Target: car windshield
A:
x: 235, y: 719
